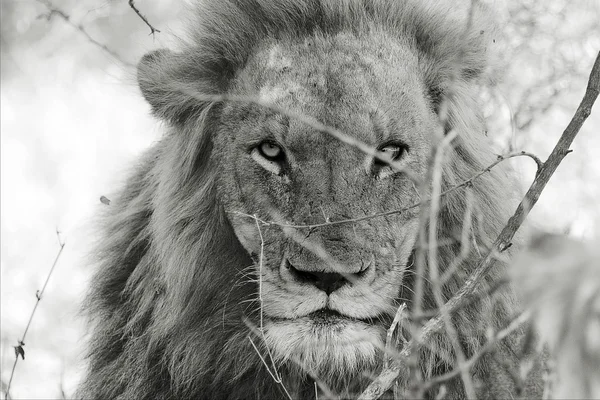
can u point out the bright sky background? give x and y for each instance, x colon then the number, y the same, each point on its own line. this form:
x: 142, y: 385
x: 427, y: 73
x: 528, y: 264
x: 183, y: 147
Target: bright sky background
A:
x: 73, y: 120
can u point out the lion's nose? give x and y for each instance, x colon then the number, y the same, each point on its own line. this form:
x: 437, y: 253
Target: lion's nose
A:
x: 328, y: 282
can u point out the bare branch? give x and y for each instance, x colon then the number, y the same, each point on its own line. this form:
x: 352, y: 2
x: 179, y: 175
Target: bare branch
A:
x: 274, y: 375
x: 398, y: 318
x: 153, y: 30
x: 464, y: 183
x: 53, y: 10
x: 39, y: 294
x: 433, y: 264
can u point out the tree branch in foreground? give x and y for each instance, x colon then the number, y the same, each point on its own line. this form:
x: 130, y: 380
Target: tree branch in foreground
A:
x: 387, y: 377
x: 462, y: 184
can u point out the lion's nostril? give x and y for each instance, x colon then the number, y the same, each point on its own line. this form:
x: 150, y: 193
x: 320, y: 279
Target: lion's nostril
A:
x: 328, y: 282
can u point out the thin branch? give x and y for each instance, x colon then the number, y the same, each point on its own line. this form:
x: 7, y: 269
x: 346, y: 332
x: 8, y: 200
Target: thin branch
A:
x: 474, y: 298
x: 400, y: 316
x: 434, y: 275
x: 53, y: 10
x: 260, y: 332
x: 261, y: 303
x: 39, y: 294
x: 464, y: 183
x: 274, y: 375
x: 260, y: 274
x: 388, y: 376
x: 309, y: 121
x: 153, y: 30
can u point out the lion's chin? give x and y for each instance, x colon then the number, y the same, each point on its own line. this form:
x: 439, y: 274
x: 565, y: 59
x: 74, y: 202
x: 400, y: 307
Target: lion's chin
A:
x: 326, y: 346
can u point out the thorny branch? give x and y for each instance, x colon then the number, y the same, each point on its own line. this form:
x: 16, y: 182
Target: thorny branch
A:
x: 387, y: 377
x: 465, y: 183
x: 134, y: 8
x: 53, y: 10
x: 19, y: 351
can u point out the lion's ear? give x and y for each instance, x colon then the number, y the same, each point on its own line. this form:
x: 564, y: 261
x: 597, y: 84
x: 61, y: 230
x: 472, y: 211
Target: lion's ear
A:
x: 163, y: 86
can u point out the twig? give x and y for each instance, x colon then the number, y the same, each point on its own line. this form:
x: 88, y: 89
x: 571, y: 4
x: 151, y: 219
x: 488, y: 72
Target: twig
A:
x: 275, y: 375
x: 388, y: 376
x: 39, y: 294
x: 260, y: 274
x: 474, y: 298
x: 433, y: 264
x: 390, y: 332
x: 134, y: 8
x: 260, y: 332
x: 53, y: 10
x: 464, y: 183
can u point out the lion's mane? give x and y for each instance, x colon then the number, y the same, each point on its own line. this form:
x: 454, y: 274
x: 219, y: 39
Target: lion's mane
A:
x: 169, y: 299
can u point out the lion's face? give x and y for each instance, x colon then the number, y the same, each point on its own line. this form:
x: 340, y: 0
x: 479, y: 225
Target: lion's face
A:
x: 325, y: 290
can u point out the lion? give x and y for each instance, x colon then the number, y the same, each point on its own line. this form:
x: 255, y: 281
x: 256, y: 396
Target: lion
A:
x: 240, y: 259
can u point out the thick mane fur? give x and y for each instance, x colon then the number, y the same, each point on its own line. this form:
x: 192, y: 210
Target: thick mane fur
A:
x: 223, y: 35
x: 171, y: 292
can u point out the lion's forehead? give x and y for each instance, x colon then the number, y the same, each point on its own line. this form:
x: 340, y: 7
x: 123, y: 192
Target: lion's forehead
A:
x: 346, y: 82
x: 333, y: 76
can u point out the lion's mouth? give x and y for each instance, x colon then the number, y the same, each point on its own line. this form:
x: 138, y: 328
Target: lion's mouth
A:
x: 327, y: 316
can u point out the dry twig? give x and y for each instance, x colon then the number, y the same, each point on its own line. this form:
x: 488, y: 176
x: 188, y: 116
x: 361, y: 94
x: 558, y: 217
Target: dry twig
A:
x: 434, y: 273
x: 464, y: 183
x: 398, y: 318
x: 39, y: 294
x: 134, y: 8
x: 53, y: 10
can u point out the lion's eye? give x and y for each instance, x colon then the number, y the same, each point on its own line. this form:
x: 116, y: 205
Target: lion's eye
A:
x: 270, y: 151
x: 393, y: 152
x: 270, y: 156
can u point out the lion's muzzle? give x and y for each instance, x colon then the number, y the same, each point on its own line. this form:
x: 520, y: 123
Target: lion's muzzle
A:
x: 327, y: 281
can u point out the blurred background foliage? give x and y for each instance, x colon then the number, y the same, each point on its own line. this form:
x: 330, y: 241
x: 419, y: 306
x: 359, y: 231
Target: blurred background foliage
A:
x: 72, y: 120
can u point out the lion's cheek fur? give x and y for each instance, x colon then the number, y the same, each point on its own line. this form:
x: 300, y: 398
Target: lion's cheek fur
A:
x: 247, y: 233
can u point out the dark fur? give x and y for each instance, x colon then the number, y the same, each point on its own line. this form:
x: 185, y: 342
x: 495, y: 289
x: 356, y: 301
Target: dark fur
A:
x: 165, y: 301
